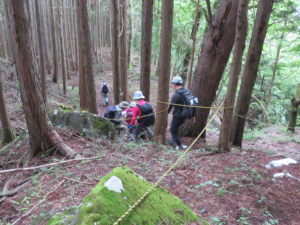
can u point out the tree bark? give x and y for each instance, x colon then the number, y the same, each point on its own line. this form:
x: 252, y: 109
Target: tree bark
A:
x: 123, y: 52
x: 250, y: 70
x: 41, y: 132
x: 164, y: 76
x: 62, y: 46
x: 212, y: 63
x: 45, y: 39
x: 54, y: 53
x: 41, y: 50
x: 146, y: 42
x: 129, y: 38
x: 88, y: 60
x: 115, y: 50
x: 295, y: 102
x: 239, y: 46
x: 8, y: 134
x: 82, y: 79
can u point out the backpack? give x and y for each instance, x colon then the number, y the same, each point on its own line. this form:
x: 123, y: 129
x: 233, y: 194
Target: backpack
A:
x: 147, y: 115
x: 129, y: 117
x: 105, y: 89
x: 188, y: 100
x: 115, y: 115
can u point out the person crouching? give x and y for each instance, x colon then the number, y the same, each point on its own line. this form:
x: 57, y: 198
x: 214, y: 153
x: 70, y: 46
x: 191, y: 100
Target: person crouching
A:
x: 144, y: 114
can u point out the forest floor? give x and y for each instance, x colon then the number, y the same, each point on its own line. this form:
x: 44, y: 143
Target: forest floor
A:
x: 228, y: 188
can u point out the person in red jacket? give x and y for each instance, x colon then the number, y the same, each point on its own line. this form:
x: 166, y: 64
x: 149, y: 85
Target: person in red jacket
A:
x: 137, y: 113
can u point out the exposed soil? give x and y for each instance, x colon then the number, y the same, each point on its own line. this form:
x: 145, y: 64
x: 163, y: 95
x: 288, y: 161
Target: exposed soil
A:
x: 226, y: 188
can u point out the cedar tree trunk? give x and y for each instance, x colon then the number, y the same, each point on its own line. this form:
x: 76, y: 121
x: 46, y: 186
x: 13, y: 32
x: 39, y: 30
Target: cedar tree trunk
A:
x: 8, y: 134
x: 164, y: 76
x: 147, y: 23
x: 239, y: 46
x: 211, y: 64
x: 41, y: 50
x: 115, y: 49
x: 62, y: 46
x: 294, y: 110
x: 250, y: 70
x: 54, y: 54
x: 88, y: 60
x: 82, y: 79
x: 123, y: 52
x: 41, y: 131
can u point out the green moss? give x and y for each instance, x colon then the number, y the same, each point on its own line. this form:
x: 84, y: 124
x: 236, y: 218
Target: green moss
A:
x: 60, y: 219
x: 103, y: 206
x: 7, y: 136
x: 64, y: 107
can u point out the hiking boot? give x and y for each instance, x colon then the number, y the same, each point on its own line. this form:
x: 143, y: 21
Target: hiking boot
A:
x: 172, y: 143
x: 182, y: 147
x: 106, y: 103
x: 131, y: 136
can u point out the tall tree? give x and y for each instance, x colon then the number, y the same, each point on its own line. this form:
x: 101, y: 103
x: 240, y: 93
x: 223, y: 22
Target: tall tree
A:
x: 259, y: 32
x: 81, y: 71
x: 194, y: 41
x: 42, y: 69
x: 41, y: 132
x: 147, y: 23
x: 54, y: 53
x: 8, y: 134
x: 115, y: 49
x: 88, y: 60
x: 239, y: 46
x: 211, y: 63
x: 129, y: 36
x: 165, y: 67
x: 295, y: 102
x: 45, y: 38
x: 123, y: 52
x: 62, y: 46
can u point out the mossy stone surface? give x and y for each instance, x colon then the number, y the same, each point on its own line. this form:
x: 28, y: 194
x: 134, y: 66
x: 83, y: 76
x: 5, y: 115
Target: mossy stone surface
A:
x: 103, y: 206
x: 86, y: 123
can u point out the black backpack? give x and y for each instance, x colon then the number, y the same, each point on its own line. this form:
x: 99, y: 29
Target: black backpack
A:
x: 147, y: 115
x: 113, y: 114
x: 188, y: 100
x: 104, y: 89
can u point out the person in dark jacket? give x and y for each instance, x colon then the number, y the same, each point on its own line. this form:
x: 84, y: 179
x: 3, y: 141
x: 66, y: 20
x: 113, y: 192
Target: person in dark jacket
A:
x: 177, y: 120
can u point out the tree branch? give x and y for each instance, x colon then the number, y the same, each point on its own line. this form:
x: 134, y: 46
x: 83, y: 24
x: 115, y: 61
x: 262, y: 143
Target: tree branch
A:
x: 209, y: 13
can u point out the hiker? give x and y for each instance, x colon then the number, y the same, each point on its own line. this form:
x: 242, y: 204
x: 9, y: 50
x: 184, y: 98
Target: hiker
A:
x: 114, y: 114
x: 105, y: 91
x: 180, y: 113
x: 143, y: 114
x: 129, y: 116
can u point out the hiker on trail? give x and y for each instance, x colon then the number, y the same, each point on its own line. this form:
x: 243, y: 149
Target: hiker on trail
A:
x: 144, y: 115
x: 105, y: 91
x: 114, y: 114
x: 129, y: 116
x: 182, y: 96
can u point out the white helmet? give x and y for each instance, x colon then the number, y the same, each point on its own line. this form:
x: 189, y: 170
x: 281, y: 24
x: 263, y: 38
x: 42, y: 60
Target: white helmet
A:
x: 138, y: 95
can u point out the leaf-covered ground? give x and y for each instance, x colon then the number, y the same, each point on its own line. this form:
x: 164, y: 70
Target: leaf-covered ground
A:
x: 226, y: 188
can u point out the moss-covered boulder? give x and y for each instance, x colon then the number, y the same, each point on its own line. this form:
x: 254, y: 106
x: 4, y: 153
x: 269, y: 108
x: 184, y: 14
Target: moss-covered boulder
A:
x: 86, y: 123
x: 117, y: 192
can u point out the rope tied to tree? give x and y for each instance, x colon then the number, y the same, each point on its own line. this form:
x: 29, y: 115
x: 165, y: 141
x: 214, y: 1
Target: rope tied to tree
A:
x: 166, y: 173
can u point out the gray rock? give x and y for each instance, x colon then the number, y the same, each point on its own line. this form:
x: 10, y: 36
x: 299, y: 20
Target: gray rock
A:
x: 86, y: 123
